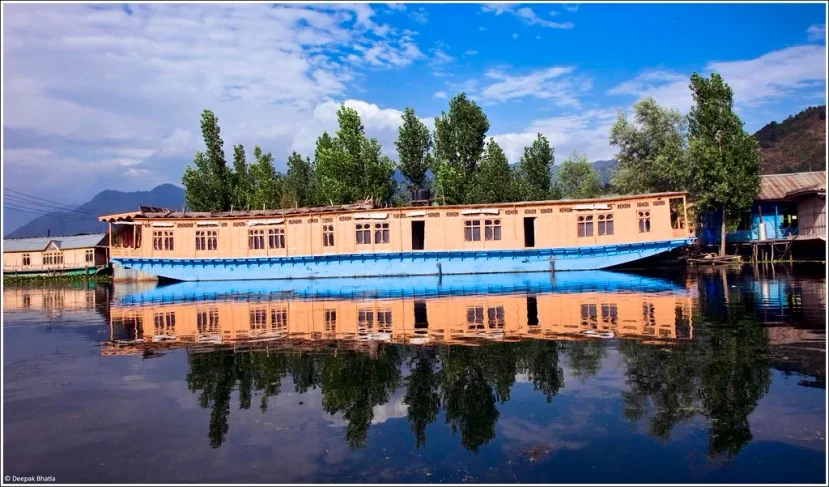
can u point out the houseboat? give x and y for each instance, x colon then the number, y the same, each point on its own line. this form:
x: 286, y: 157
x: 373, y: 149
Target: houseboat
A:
x: 362, y: 240
x: 416, y: 320
x: 69, y: 255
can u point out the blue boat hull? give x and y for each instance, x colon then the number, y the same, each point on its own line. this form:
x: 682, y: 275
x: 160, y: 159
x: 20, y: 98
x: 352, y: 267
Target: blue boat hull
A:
x: 402, y: 263
x: 403, y: 287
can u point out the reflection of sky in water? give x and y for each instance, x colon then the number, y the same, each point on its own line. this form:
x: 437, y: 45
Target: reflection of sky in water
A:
x: 120, y: 418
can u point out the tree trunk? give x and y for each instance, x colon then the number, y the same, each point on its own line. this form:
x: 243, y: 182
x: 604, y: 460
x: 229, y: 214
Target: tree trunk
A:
x: 722, y: 234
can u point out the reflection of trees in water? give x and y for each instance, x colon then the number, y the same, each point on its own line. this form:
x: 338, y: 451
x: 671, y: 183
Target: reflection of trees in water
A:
x: 584, y: 357
x: 722, y: 375
x: 467, y: 382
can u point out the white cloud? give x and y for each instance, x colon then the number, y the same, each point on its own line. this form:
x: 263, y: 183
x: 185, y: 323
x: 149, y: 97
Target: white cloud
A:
x: 817, y: 32
x: 547, y: 84
x: 586, y: 132
x: 515, y: 36
x: 570, y: 7
x: 419, y: 16
x: 440, y: 94
x: 764, y: 79
x: 396, y: 6
x: 470, y: 52
x: 442, y: 57
x: 525, y: 15
x: 111, y: 93
x: 380, y: 123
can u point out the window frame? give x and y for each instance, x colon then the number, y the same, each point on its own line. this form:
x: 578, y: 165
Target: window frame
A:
x: 256, y: 239
x: 276, y: 238
x: 605, y: 224
x: 328, y: 235
x: 492, y: 230
x: 472, y: 230
x: 644, y: 217
x: 584, y: 225
x: 381, y: 229
x: 362, y: 234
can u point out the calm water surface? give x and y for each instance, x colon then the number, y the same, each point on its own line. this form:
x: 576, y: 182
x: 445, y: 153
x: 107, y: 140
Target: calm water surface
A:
x: 690, y: 377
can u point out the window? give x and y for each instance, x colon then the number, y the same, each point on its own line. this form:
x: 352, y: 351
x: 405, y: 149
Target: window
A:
x: 90, y: 256
x: 589, y: 316
x: 677, y: 213
x: 492, y: 229
x: 328, y: 235
x: 586, y: 226
x: 276, y: 238
x: 27, y: 259
x: 381, y: 233
x: 365, y: 320
x: 472, y: 231
x: 363, y: 234
x: 279, y: 319
x: 644, y: 221
x: 207, y: 239
x: 256, y: 239
x: 384, y: 320
x: 495, y: 317
x: 258, y: 320
x: 163, y: 240
x: 475, y: 317
x: 207, y: 320
x: 165, y: 323
x: 606, y: 224
x: 330, y: 321
x: 52, y: 258
x: 610, y: 314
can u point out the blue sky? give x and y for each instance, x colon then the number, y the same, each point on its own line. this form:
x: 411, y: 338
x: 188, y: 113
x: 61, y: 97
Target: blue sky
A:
x: 109, y: 96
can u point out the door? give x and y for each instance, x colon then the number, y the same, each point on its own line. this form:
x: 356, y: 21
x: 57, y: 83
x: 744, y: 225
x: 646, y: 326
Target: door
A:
x: 418, y: 235
x: 529, y: 231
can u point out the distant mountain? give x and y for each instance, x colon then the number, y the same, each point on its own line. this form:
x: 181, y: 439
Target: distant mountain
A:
x: 797, y: 144
x: 84, y: 218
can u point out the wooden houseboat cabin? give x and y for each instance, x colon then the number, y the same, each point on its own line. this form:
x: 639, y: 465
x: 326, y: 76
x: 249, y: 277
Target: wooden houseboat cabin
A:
x: 363, y: 241
x: 461, y: 319
x: 75, y: 254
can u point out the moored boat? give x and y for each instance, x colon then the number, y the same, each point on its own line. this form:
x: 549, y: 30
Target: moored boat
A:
x: 363, y: 241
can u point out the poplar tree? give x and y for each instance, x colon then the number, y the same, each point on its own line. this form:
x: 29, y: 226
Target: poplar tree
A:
x: 414, y: 145
x: 534, y: 172
x: 207, y: 187
x: 264, y: 180
x: 726, y: 159
x: 492, y: 181
x: 577, y: 178
x: 241, y: 184
x: 300, y: 182
x: 459, y: 144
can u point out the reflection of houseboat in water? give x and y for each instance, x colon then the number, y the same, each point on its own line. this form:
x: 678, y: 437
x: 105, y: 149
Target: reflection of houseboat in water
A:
x: 363, y: 241
x: 451, y: 318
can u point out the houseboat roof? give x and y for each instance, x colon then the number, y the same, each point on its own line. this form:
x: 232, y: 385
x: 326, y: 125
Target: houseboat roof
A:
x: 36, y: 244
x: 782, y: 186
x: 142, y: 213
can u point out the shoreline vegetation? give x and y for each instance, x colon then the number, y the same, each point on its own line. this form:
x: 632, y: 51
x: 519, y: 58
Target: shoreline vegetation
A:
x: 48, y: 278
x: 707, y: 154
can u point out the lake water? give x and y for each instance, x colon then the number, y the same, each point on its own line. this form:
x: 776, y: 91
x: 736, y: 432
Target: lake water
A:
x: 683, y: 376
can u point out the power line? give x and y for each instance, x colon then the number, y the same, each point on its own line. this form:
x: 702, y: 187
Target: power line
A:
x: 40, y: 212
x: 46, y: 206
x: 34, y: 197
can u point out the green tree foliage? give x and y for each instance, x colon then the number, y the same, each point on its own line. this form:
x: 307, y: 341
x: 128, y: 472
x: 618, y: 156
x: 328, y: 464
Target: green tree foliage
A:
x: 423, y: 395
x: 459, y: 144
x: 240, y: 180
x: 534, y: 171
x: 492, y: 181
x: 726, y: 159
x: 653, y: 147
x: 300, y: 182
x: 207, y: 186
x: 577, y: 179
x: 265, y: 181
x: 350, y: 166
x: 414, y: 149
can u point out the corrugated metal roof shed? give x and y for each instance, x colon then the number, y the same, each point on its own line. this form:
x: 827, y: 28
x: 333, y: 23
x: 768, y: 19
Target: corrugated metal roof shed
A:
x: 37, y: 244
x: 776, y: 186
